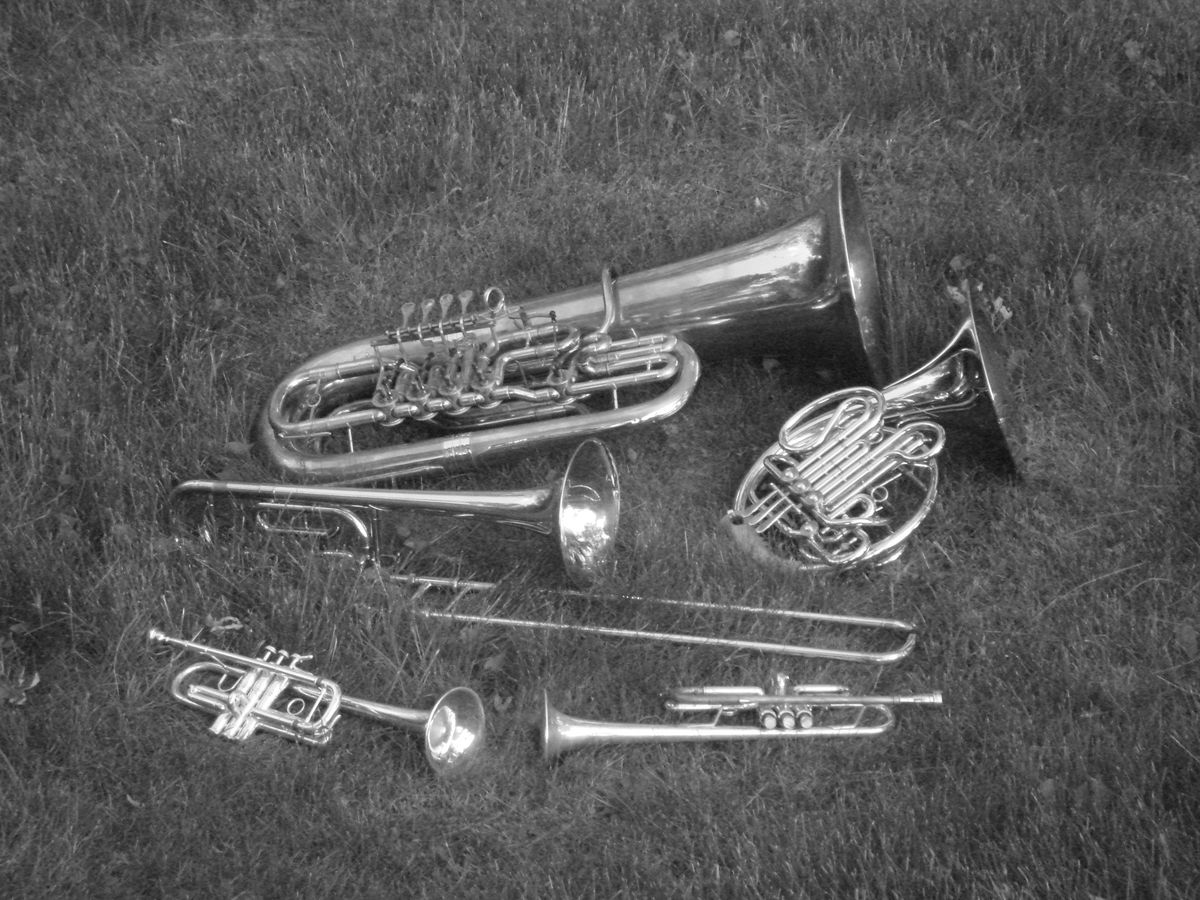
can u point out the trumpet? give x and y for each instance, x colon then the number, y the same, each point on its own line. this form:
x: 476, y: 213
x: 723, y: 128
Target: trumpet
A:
x: 853, y: 474
x: 783, y: 711
x: 498, y: 378
x: 581, y: 510
x: 272, y: 693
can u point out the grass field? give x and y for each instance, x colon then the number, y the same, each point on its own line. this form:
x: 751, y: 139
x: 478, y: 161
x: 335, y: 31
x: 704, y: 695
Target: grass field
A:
x: 195, y: 197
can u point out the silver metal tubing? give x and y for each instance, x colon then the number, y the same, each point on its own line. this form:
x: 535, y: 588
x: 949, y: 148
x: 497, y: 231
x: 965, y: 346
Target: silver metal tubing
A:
x: 425, y: 584
x: 784, y: 712
x: 501, y: 378
x: 271, y: 693
x: 581, y: 510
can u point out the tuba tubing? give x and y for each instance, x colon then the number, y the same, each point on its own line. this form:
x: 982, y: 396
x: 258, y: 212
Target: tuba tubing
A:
x: 468, y: 450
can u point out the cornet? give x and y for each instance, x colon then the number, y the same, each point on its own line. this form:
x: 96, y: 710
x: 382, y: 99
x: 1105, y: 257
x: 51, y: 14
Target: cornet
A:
x: 784, y: 711
x: 581, y: 510
x: 495, y: 379
x: 273, y: 694
x: 854, y: 473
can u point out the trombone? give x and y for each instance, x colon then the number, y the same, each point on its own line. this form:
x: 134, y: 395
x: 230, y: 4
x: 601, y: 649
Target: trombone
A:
x: 782, y: 711
x: 272, y: 693
x: 581, y: 511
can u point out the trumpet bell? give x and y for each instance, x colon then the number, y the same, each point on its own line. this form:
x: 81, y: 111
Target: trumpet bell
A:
x: 558, y: 736
x: 454, y: 733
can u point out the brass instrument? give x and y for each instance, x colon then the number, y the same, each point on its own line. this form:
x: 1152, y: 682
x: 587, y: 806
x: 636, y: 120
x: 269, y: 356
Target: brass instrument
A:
x: 581, y: 510
x: 584, y: 511
x: 425, y: 583
x: 854, y: 473
x: 493, y: 378
x: 273, y: 694
x: 783, y: 711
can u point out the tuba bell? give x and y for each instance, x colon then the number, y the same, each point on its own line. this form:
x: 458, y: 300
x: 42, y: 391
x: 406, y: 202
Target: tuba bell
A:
x: 490, y: 378
x: 853, y: 474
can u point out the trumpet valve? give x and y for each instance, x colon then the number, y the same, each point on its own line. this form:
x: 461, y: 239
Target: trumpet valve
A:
x: 785, y: 717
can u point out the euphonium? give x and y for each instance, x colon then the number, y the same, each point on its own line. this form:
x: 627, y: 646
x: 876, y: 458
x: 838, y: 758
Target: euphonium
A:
x: 784, y: 711
x: 496, y: 378
x: 272, y: 693
x: 854, y: 473
x: 582, y: 510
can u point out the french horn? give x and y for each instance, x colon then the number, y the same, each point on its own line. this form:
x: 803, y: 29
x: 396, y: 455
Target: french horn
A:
x: 853, y: 474
x: 272, y: 693
x: 784, y: 711
x: 490, y: 378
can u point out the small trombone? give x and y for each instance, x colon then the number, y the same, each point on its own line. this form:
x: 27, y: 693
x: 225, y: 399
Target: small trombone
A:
x: 784, y: 710
x: 581, y: 510
x: 258, y: 700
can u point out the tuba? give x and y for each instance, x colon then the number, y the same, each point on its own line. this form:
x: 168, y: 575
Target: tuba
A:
x: 853, y: 474
x: 783, y: 711
x: 272, y: 693
x: 489, y: 378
